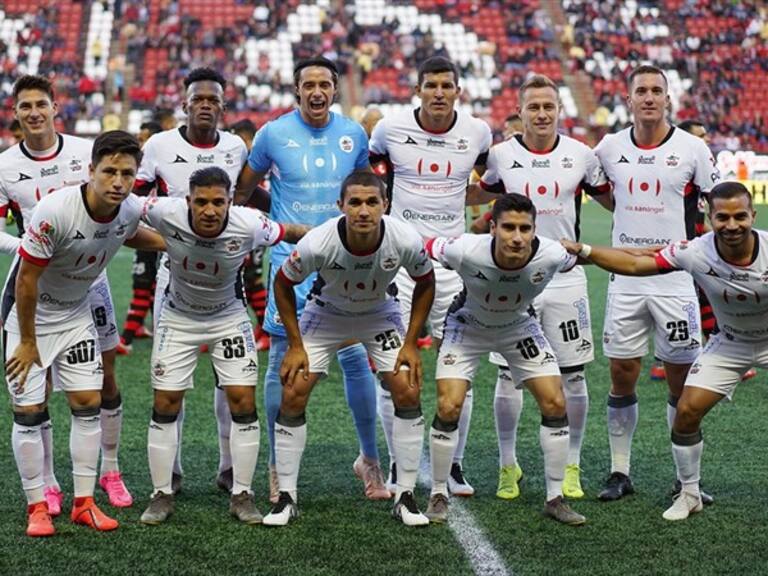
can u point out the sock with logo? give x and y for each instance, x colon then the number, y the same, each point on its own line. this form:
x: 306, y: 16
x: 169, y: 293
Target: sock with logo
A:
x: 244, y: 447
x: 553, y: 437
x: 443, y: 439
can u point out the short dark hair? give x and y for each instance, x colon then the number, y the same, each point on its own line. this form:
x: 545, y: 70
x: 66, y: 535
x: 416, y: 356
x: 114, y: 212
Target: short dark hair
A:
x: 513, y: 118
x: 115, y: 142
x: 513, y: 203
x: 726, y: 191
x: 435, y: 65
x: 646, y: 69
x: 152, y: 127
x: 688, y: 125
x: 211, y: 176
x: 14, y: 125
x: 321, y: 61
x: 243, y: 126
x: 202, y: 75
x: 32, y: 82
x: 361, y: 178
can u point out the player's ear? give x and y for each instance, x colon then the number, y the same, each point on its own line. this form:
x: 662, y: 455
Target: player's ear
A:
x: 184, y: 106
x: 55, y: 108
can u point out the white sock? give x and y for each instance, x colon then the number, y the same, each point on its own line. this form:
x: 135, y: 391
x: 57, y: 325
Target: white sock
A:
x: 224, y: 426
x: 442, y: 445
x: 177, y: 468
x: 507, y: 406
x: 577, y: 407
x: 84, y: 445
x: 162, y: 444
x: 671, y: 410
x: 111, y: 424
x: 244, y: 445
x: 464, y: 420
x: 386, y: 411
x: 553, y: 438
x: 622, y: 421
x: 49, y: 476
x: 688, y: 460
x: 28, y: 451
x: 407, y: 439
x: 289, y: 448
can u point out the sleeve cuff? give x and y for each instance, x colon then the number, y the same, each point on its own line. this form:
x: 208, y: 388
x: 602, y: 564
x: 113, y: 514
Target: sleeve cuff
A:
x: 285, y: 278
x: 42, y: 262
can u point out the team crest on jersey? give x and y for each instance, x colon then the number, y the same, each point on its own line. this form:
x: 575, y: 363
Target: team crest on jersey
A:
x: 158, y: 369
x: 672, y: 160
x: 42, y: 235
x: 346, y: 144
x: 75, y: 165
x: 538, y: 277
x: 462, y: 144
x: 764, y: 277
x: 233, y: 245
x: 229, y: 159
x: 566, y: 162
x: 389, y: 263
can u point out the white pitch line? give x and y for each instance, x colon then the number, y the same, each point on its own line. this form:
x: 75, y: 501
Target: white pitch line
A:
x: 483, y: 557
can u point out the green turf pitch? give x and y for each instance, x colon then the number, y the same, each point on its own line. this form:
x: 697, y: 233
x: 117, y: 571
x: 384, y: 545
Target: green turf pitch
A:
x: 340, y: 532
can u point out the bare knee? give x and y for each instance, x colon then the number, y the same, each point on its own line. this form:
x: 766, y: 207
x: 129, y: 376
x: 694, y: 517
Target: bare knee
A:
x: 687, y: 418
x: 84, y: 400
x: 624, y: 375
x: 552, y: 405
x: 167, y: 402
x: 449, y: 407
x: 241, y: 399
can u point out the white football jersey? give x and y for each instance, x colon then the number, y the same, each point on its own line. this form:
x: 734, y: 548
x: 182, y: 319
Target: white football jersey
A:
x: 355, y: 283
x: 656, y: 193
x: 495, y: 297
x: 429, y: 171
x: 75, y: 248
x: 26, y: 179
x: 205, y: 272
x: 738, y: 294
x: 554, y: 181
x: 170, y: 159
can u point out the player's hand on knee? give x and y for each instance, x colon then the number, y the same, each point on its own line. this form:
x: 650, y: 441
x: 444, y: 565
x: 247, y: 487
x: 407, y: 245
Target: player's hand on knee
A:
x: 295, y: 364
x: 18, y: 365
x: 409, y: 356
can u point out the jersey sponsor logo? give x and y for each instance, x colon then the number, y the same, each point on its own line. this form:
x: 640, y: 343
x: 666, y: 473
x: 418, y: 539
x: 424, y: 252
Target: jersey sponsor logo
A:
x: 644, y: 186
x: 740, y: 297
x: 206, y: 158
x: 567, y: 162
x: 422, y: 217
x: 646, y: 160
x: 410, y: 140
x: 516, y: 164
x: 251, y: 367
x: 549, y: 359
x: 200, y: 266
x: 643, y: 241
x: 319, y: 141
x: 90, y: 259
x: 503, y: 298
x: 78, y: 235
x: 672, y: 160
x: 434, y: 167
x: 540, y: 163
x: 436, y: 142
x: 542, y: 190
x: 504, y: 278
x: 584, y: 346
x: 623, y: 160
x: 739, y: 276
x: 316, y: 207
x: 179, y: 160
x: 22, y: 177
x: 101, y: 234
x: 205, y: 243
x: 346, y: 144
x: 45, y: 172
x: 364, y: 265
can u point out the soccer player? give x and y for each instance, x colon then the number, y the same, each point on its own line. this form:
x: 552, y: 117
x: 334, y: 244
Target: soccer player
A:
x: 430, y: 153
x: 44, y: 162
x: 513, y: 126
x: 356, y: 256
x: 170, y: 158
x: 503, y: 272
x: 552, y: 170
x: 371, y: 117
x: 255, y: 290
x: 207, y: 243
x: 729, y: 264
x: 658, y: 173
x: 143, y: 274
x: 308, y: 153
x: 70, y: 238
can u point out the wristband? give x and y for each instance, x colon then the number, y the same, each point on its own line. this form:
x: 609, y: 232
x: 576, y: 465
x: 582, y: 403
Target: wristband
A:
x: 585, y: 251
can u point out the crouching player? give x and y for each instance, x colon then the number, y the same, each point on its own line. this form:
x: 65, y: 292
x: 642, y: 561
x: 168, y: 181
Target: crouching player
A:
x: 357, y: 256
x: 208, y: 241
x: 503, y: 272
x: 729, y: 265
x: 48, y: 324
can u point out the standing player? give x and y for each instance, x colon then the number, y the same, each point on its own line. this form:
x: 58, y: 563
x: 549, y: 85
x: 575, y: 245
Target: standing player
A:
x: 658, y: 173
x: 503, y: 273
x: 207, y: 242
x: 170, y: 158
x: 356, y: 256
x: 40, y: 165
x: 729, y: 265
x: 71, y: 237
x: 552, y: 170
x: 143, y: 274
x: 308, y: 153
x: 430, y: 153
